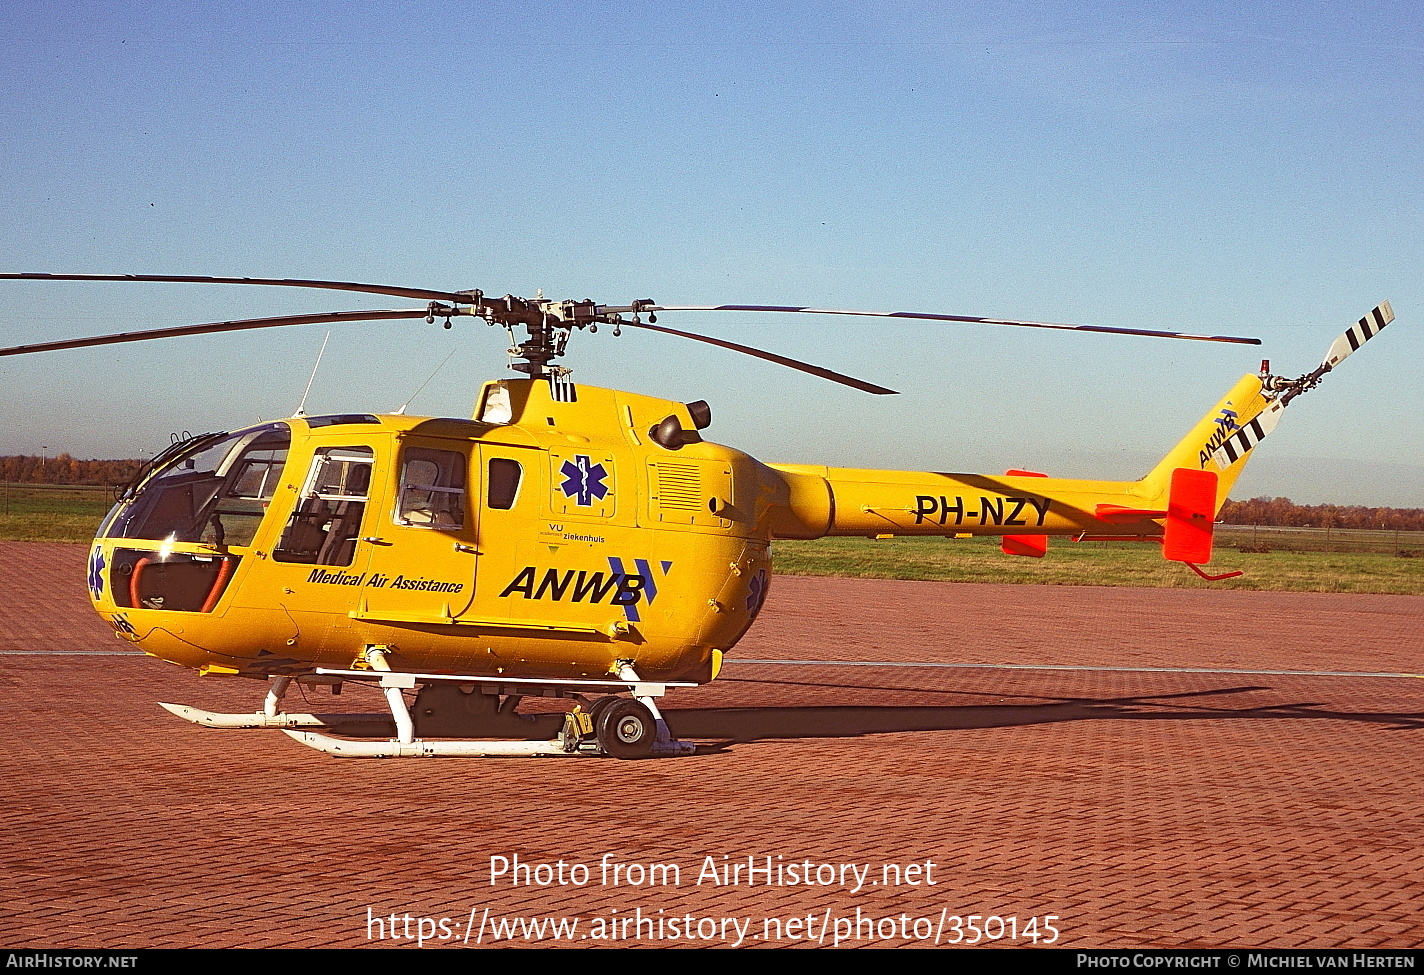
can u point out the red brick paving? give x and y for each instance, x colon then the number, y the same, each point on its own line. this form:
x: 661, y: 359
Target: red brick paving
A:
x: 1140, y: 808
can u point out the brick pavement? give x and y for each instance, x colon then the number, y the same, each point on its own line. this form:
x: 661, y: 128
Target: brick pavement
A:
x: 1140, y: 808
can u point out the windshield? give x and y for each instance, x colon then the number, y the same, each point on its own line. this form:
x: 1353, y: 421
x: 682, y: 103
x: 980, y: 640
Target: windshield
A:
x: 215, y: 493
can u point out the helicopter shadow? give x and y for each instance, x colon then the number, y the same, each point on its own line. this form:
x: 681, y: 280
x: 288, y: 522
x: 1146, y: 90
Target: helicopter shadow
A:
x: 725, y: 727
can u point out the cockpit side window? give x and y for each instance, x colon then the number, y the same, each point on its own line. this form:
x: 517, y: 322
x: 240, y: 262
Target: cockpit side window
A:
x: 432, y: 490
x: 324, y: 528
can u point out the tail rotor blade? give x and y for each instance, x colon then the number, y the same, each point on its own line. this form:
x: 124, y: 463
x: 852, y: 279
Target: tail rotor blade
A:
x: 1358, y: 334
x: 1238, y: 444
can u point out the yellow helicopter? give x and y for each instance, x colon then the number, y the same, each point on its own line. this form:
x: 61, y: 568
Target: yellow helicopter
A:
x: 566, y: 541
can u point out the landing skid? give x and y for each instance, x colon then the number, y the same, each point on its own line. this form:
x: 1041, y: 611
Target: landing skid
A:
x: 454, y: 706
x: 285, y: 719
x: 417, y: 748
x: 272, y: 715
x: 561, y: 746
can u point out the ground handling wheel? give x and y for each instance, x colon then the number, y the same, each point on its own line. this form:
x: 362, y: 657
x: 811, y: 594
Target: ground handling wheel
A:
x: 626, y: 729
x: 596, y: 709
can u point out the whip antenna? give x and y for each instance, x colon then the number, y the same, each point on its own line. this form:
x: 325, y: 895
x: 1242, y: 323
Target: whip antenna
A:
x: 401, y: 411
x: 301, y: 407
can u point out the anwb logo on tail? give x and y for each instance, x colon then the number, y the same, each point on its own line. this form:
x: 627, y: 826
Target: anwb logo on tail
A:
x: 1226, y: 425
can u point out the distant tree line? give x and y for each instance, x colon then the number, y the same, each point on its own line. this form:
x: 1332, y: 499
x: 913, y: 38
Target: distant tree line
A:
x: 1281, y: 512
x: 65, y: 469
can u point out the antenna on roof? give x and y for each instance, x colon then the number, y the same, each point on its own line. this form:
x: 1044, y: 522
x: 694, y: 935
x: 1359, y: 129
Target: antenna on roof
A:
x: 401, y: 411
x: 301, y: 407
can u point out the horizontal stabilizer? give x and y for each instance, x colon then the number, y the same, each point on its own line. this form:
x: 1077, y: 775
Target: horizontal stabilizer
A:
x: 1116, y: 514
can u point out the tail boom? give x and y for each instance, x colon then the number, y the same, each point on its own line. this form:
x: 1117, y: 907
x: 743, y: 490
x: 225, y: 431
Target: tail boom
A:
x: 1176, y: 503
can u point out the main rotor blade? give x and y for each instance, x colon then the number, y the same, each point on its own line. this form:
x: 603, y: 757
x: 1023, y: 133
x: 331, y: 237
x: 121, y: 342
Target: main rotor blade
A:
x: 782, y: 360
x: 969, y: 319
x: 375, y: 289
x: 320, y: 318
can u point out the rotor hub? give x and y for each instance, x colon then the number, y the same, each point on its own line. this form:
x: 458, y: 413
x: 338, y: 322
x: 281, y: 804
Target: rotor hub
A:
x: 547, y: 323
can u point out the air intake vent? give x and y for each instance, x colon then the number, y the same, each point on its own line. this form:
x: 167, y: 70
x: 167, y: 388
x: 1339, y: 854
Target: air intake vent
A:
x: 679, y: 487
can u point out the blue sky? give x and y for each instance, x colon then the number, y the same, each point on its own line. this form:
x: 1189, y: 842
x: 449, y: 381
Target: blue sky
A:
x: 1218, y: 167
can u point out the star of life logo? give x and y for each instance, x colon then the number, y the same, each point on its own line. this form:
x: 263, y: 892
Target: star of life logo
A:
x: 96, y: 572
x: 756, y: 592
x: 583, y: 480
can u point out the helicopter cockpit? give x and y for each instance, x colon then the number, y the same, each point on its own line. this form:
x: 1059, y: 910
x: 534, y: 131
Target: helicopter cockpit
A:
x: 212, y: 491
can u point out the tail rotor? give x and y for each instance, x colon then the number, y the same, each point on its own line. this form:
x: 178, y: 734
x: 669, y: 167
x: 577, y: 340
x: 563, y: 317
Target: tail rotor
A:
x: 1282, y: 391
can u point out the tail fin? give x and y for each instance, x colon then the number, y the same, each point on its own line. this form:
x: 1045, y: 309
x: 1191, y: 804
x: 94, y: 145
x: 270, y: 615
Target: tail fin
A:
x: 1237, y: 408
x: 1187, y: 485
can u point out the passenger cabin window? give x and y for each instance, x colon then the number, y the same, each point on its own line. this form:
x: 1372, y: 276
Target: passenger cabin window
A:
x: 324, y: 528
x: 432, y: 491
x: 503, y: 482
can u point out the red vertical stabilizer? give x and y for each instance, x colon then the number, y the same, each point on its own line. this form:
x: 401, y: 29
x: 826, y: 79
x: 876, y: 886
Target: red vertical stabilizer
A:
x: 1033, y: 546
x: 1191, y: 513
